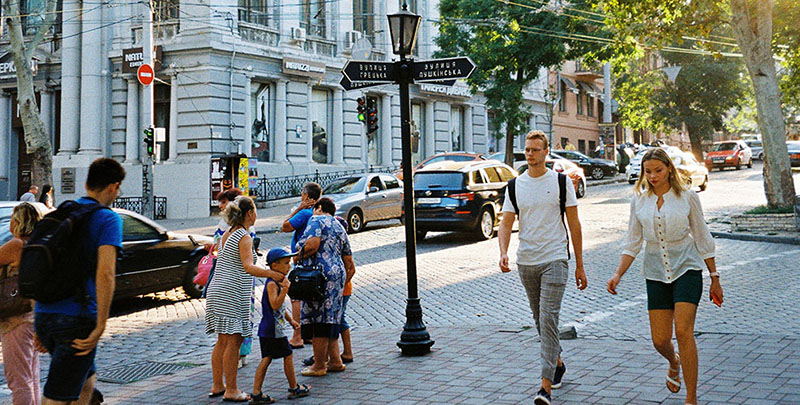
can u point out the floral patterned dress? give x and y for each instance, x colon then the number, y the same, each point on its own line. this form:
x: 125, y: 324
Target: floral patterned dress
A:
x: 333, y: 245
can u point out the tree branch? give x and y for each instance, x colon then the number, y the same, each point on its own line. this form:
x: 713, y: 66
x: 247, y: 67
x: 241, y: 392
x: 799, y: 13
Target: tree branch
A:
x: 49, y: 19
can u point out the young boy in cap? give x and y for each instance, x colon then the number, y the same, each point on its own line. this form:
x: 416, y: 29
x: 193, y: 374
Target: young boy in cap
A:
x: 271, y: 336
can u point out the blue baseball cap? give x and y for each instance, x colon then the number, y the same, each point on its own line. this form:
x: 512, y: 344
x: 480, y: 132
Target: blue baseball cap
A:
x: 278, y: 253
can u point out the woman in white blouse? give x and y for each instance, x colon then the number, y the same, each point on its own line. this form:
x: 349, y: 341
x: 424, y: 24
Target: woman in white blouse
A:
x: 670, y: 219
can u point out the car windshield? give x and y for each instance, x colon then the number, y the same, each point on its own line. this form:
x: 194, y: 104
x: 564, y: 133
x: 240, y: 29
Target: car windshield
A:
x: 793, y: 146
x: 724, y: 146
x: 345, y: 185
x: 5, y: 219
x: 439, y: 181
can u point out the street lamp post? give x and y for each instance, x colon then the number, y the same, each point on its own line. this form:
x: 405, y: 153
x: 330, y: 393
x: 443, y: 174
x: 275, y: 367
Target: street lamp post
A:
x: 415, y: 340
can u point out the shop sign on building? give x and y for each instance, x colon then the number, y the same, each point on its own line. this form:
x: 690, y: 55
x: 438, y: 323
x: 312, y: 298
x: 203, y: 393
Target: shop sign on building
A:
x: 303, y: 68
x: 134, y: 57
x: 453, y: 91
x: 9, y: 71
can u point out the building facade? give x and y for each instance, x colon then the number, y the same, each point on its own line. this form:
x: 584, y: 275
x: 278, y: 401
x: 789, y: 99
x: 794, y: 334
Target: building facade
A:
x: 257, y: 77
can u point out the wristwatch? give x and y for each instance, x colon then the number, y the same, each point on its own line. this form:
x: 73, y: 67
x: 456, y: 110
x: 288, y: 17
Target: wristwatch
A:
x: 714, y: 274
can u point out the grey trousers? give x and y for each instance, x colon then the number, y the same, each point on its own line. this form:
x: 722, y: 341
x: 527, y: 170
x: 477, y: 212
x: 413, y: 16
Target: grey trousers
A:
x: 545, y: 284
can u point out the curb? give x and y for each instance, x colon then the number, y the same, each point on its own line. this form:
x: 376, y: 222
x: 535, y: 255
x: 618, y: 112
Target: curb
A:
x: 604, y: 182
x: 757, y: 238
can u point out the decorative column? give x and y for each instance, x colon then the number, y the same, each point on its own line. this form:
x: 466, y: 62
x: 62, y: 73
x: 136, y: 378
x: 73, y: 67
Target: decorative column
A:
x: 279, y: 146
x: 309, y: 118
x: 337, y: 141
x: 132, y: 122
x: 70, y: 77
x: 386, y: 131
x: 247, y: 143
x: 173, y: 119
x: 469, y: 144
x: 430, y: 129
x: 46, y: 112
x: 5, y: 131
x: 91, y: 84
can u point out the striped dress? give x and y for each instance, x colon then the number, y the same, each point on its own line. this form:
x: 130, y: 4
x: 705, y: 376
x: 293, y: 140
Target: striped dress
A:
x: 228, y: 296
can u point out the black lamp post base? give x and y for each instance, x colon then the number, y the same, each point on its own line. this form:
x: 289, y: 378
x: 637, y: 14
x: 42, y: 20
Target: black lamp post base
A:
x: 415, y: 340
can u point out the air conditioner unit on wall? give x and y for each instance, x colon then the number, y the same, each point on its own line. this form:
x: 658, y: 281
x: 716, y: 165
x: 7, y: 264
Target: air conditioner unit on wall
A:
x: 298, y: 34
x: 350, y: 38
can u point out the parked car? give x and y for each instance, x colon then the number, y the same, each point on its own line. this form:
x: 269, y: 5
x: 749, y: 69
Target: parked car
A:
x: 519, y: 159
x: 152, y: 259
x: 694, y: 174
x: 729, y: 154
x: 441, y: 157
x: 633, y: 169
x: 561, y: 165
x: 756, y: 149
x: 597, y: 168
x: 794, y: 152
x: 460, y: 196
x: 365, y: 198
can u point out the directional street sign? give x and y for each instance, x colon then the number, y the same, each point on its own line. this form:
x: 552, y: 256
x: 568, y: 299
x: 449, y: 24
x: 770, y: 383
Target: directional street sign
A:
x: 348, y: 85
x: 443, y: 69
x: 369, y: 71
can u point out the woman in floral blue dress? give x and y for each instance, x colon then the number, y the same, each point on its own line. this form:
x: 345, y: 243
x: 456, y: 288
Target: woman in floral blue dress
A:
x: 325, y: 240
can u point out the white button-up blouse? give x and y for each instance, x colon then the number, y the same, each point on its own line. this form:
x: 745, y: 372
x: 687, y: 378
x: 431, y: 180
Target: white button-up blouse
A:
x: 678, y: 239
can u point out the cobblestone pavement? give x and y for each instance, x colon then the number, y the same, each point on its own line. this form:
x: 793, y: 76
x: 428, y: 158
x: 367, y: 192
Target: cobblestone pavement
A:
x: 485, y: 349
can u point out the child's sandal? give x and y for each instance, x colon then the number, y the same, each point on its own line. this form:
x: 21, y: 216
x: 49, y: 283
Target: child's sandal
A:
x: 261, y: 399
x: 299, y: 391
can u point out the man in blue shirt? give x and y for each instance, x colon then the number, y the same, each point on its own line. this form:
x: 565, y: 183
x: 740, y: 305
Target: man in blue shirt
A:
x: 296, y: 223
x: 70, y: 329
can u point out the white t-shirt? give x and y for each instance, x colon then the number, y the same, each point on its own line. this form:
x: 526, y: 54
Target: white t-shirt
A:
x: 542, y: 237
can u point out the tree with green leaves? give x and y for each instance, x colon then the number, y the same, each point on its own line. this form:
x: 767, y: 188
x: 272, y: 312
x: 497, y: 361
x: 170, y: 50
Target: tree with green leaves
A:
x: 694, y: 24
x: 506, y: 43
x: 704, y: 92
x: 37, y: 140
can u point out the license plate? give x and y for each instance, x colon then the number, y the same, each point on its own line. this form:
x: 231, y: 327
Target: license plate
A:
x: 428, y: 200
x: 718, y: 160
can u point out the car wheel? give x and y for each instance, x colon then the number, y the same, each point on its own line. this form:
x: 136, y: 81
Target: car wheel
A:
x: 704, y: 185
x: 631, y: 181
x: 761, y: 156
x: 738, y: 164
x: 189, y: 287
x: 581, y: 191
x: 421, y: 235
x: 750, y: 163
x: 355, y: 221
x: 485, y: 224
x: 597, y: 173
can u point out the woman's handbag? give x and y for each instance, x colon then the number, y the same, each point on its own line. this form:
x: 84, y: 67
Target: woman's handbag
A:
x: 307, y: 281
x: 204, y: 269
x: 11, y: 301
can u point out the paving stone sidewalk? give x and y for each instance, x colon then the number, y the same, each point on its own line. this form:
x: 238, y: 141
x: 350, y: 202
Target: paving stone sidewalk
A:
x: 494, y: 365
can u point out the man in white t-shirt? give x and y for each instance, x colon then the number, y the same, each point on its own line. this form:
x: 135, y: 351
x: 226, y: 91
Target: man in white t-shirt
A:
x: 30, y: 196
x: 543, y: 251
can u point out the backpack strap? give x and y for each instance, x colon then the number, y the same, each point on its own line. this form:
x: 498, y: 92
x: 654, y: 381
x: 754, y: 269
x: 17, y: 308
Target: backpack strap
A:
x: 512, y: 194
x: 562, y: 201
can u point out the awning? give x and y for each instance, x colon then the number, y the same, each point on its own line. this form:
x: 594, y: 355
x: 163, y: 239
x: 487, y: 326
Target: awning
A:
x: 570, y: 85
x: 590, y: 89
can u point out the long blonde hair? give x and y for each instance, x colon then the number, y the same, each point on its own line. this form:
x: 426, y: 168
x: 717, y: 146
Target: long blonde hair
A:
x: 675, y: 181
x: 26, y: 216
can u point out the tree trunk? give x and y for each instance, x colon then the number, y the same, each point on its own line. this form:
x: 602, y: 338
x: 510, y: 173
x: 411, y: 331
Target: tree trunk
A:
x: 511, y: 133
x: 754, y: 35
x: 37, y: 140
x: 696, y: 139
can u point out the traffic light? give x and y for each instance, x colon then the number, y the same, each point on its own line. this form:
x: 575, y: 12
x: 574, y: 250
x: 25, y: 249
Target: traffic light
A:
x: 149, y: 141
x: 372, y: 116
x: 361, y: 109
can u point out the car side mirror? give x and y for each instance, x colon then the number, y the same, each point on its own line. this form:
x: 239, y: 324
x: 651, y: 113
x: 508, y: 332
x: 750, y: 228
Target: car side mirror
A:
x: 373, y: 190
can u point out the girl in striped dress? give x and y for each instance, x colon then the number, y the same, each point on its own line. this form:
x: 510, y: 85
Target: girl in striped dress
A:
x: 228, y: 297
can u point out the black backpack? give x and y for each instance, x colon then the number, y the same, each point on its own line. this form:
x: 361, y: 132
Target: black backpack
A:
x: 53, y: 266
x: 562, y: 200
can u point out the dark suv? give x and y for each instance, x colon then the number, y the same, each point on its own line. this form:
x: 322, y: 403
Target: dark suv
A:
x: 460, y: 196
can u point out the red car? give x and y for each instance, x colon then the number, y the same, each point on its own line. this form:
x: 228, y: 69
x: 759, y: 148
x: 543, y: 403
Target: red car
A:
x: 729, y: 154
x: 441, y: 157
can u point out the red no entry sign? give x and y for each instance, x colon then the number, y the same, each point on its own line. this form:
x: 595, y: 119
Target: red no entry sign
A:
x: 145, y: 74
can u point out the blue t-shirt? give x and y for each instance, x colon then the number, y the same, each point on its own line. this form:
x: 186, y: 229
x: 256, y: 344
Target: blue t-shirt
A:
x: 299, y: 222
x: 273, y: 322
x: 104, y: 228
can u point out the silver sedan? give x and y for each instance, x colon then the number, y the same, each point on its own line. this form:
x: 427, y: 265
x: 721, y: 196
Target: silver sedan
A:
x: 365, y: 198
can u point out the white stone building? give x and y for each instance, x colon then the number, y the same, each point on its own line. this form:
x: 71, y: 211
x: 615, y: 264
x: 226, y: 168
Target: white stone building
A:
x: 259, y: 77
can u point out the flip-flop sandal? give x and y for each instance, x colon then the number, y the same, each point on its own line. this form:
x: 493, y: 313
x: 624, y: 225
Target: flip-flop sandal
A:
x: 216, y: 394
x: 300, y: 346
x: 347, y: 360
x: 309, y: 372
x: 334, y: 369
x: 676, y: 381
x: 242, y: 397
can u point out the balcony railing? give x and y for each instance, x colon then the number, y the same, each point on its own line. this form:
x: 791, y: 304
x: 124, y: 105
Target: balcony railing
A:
x: 161, y: 32
x: 276, y: 188
x: 320, y: 46
x: 585, y: 71
x: 259, y: 34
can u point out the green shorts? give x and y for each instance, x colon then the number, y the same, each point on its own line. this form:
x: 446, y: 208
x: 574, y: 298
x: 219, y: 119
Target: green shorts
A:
x: 687, y: 288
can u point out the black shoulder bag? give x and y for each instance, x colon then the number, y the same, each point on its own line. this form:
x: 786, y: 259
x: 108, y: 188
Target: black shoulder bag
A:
x: 307, y: 281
